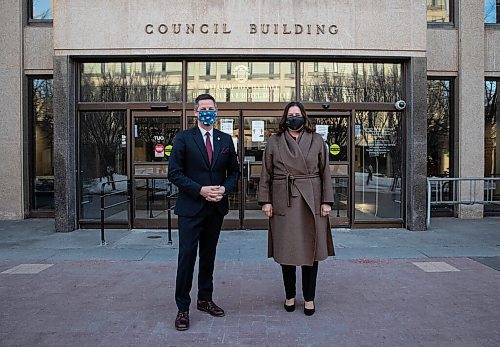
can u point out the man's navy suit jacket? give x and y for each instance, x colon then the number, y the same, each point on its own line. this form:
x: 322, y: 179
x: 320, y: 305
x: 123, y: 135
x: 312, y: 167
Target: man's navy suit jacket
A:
x: 189, y: 169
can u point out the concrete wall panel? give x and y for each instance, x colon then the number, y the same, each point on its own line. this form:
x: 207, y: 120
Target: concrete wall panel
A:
x: 492, y: 52
x: 11, y: 163
x: 38, y: 49
x: 442, y: 51
x: 370, y: 27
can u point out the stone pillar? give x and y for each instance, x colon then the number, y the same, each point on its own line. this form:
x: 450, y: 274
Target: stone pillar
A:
x: 470, y: 99
x: 64, y: 146
x: 416, y: 145
x: 11, y: 111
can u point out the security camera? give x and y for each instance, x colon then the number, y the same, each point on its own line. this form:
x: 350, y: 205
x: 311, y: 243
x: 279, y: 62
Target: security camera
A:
x: 326, y: 105
x: 400, y: 105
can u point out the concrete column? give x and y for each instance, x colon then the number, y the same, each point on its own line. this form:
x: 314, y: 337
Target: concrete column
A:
x: 416, y: 145
x: 11, y: 100
x: 64, y: 146
x: 470, y: 101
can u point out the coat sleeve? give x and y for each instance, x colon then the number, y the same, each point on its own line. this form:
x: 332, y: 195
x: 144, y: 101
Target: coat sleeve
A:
x: 233, y: 169
x: 326, y: 178
x: 176, y: 169
x: 265, y: 183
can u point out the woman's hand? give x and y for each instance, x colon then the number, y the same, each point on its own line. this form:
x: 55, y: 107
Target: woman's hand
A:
x: 325, y: 210
x: 268, y: 210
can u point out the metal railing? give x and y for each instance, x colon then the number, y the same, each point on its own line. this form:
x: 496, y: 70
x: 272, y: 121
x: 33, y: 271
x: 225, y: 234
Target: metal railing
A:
x: 104, y: 207
x: 461, y: 191
x: 151, y: 191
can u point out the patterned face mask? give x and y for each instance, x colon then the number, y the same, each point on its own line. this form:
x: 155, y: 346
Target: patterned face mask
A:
x: 207, y: 117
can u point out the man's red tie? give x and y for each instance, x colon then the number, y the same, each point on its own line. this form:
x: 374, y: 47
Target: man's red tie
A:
x: 208, y: 144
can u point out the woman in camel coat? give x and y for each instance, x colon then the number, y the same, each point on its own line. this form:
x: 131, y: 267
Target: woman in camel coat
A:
x: 295, y: 192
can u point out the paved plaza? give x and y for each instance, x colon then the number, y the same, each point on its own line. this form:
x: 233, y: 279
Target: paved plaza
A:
x: 385, y: 287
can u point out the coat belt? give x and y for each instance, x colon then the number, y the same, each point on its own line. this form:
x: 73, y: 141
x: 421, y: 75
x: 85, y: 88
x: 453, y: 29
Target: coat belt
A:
x: 290, y: 181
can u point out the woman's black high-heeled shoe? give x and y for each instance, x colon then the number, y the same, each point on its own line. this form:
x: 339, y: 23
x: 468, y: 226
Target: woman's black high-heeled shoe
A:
x: 289, y: 308
x: 309, y: 311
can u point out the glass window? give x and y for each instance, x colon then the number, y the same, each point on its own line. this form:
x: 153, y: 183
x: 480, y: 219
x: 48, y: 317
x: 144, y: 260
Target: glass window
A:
x: 129, y: 82
x: 42, y: 172
x: 152, y: 131
x: 439, y: 135
x: 378, y: 167
x: 491, y: 131
x: 438, y: 11
x: 350, y: 82
x: 103, y: 158
x: 242, y: 81
x: 41, y: 9
x: 492, y: 11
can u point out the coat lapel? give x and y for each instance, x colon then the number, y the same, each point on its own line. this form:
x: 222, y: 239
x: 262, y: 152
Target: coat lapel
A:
x: 305, y: 143
x: 217, y: 146
x: 201, y: 146
x: 295, y: 163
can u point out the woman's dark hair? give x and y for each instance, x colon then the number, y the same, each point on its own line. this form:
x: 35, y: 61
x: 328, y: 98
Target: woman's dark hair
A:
x: 308, y: 125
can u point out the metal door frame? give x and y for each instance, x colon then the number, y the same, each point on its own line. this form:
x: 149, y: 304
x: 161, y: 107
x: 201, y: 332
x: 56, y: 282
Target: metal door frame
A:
x: 132, y: 115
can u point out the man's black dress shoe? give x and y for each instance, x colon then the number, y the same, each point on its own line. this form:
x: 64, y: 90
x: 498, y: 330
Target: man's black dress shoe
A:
x: 182, y: 320
x: 210, y: 307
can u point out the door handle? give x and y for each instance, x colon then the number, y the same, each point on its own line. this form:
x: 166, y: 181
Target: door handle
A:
x: 248, y: 169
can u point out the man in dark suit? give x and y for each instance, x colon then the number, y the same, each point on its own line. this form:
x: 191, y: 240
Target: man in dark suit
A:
x: 204, y: 166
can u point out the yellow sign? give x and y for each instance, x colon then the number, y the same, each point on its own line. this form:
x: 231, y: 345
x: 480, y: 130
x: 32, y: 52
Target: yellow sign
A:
x: 334, y: 149
x: 168, y: 150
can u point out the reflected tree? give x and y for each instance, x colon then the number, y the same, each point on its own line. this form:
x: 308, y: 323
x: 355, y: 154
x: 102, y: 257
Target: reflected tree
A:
x: 101, y: 133
x: 357, y: 82
x: 491, y: 128
x: 438, y: 126
x: 42, y: 95
x: 123, y: 82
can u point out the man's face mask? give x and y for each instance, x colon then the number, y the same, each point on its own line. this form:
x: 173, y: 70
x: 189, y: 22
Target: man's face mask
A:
x: 295, y: 123
x: 207, y: 117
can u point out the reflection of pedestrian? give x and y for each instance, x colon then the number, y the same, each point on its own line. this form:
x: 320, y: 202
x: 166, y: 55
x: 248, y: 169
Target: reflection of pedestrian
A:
x: 295, y: 192
x: 370, y: 174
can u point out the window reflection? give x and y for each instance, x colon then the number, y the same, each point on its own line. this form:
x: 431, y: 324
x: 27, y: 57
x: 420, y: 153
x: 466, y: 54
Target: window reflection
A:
x: 438, y: 128
x: 103, y: 158
x: 350, y: 82
x: 43, y: 171
x: 128, y: 82
x: 153, y: 133
x: 491, y: 131
x: 42, y: 9
x: 242, y: 81
x: 378, y: 169
x: 438, y: 11
x: 492, y: 11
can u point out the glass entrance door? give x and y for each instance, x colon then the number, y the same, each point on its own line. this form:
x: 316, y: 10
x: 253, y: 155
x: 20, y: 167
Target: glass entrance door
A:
x: 258, y: 127
x: 250, y: 131
x: 336, y: 131
x: 152, y: 139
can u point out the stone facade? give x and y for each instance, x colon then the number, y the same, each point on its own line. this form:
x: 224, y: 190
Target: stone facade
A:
x: 347, y: 28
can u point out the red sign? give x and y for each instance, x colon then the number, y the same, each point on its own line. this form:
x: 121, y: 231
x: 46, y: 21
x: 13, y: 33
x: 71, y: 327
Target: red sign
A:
x: 159, y: 150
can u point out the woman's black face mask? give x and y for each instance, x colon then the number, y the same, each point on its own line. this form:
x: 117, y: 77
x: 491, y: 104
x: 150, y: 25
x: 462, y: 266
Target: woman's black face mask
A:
x: 295, y: 122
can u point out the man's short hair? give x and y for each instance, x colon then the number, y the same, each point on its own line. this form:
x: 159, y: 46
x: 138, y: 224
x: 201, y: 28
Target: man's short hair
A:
x: 203, y: 97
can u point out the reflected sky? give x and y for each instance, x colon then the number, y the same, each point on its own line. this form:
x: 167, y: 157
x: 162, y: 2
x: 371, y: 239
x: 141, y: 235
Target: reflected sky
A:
x: 490, y: 11
x: 42, y: 9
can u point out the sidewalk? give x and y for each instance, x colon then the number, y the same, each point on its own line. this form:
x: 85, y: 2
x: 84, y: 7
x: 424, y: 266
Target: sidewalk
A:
x: 385, y: 287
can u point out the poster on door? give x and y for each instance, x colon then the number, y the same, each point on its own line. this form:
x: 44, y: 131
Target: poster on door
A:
x: 227, y: 126
x: 257, y: 131
x: 322, y: 130
x: 159, y: 150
